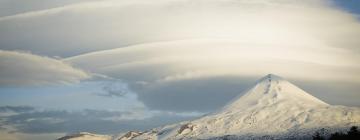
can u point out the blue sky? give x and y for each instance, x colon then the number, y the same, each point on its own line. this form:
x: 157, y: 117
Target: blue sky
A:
x: 349, y: 5
x: 87, y: 95
x: 71, y: 65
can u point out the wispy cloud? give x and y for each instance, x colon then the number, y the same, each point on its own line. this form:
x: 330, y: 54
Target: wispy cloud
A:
x: 101, y: 121
x: 17, y: 109
x: 114, y: 88
x: 23, y: 69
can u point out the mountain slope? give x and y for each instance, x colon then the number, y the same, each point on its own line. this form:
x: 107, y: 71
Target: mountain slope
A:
x: 86, y: 136
x: 272, y: 108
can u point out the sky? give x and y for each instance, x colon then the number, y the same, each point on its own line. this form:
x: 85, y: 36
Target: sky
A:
x: 110, y: 66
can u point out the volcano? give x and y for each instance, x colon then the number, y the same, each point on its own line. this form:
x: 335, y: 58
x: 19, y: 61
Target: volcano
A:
x: 273, y: 108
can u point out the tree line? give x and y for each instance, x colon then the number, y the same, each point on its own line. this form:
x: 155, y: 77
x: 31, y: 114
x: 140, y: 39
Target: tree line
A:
x: 352, y: 134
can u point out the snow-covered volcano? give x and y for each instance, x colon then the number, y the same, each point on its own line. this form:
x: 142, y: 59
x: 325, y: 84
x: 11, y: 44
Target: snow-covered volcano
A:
x: 272, y: 90
x: 272, y: 108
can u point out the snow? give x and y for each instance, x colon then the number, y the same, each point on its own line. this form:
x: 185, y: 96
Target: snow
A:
x: 130, y: 135
x: 271, y: 90
x: 273, y: 107
x: 86, y: 136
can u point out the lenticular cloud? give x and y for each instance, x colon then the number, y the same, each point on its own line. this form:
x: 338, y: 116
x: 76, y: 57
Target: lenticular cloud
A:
x: 100, y: 25
x: 25, y: 69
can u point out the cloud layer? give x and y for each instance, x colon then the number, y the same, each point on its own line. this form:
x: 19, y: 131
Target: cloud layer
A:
x: 188, y: 59
x: 37, y: 121
x: 98, y: 25
x: 23, y: 69
x: 13, y: 7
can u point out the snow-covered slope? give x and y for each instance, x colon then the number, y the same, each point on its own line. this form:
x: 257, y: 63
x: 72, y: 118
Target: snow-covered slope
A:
x: 86, y: 136
x: 273, y: 107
